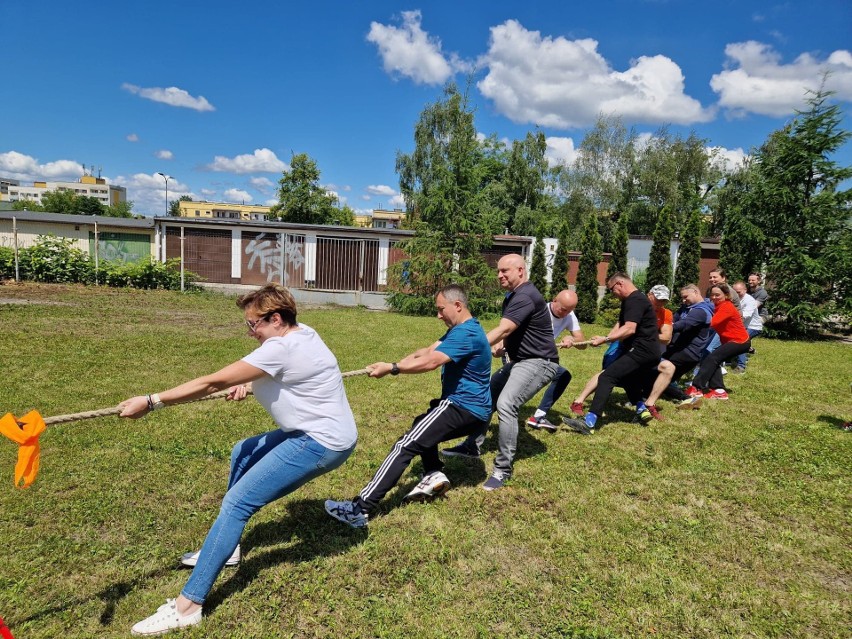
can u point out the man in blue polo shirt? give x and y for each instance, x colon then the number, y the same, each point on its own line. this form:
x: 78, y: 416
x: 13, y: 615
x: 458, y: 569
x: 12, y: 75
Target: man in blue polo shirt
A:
x: 463, y: 408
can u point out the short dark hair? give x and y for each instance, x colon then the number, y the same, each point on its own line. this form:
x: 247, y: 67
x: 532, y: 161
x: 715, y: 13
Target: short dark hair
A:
x: 722, y: 286
x: 720, y: 271
x: 618, y: 275
x: 454, y: 293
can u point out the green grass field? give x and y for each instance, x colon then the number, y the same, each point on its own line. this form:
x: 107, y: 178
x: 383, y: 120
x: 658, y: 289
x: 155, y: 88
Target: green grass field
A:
x: 731, y: 521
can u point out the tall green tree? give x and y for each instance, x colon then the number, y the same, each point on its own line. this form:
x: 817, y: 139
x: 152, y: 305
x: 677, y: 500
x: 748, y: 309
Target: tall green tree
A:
x: 659, y: 262
x: 619, y: 246
x: 120, y: 209
x: 445, y: 185
x: 741, y: 248
x: 587, y: 272
x: 301, y: 199
x: 799, y: 203
x: 538, y: 267
x: 527, y: 177
x: 60, y: 201
x: 559, y: 272
x: 26, y: 205
x: 689, y: 254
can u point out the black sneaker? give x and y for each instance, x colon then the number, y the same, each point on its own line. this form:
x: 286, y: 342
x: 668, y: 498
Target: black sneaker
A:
x: 462, y: 450
x: 578, y: 425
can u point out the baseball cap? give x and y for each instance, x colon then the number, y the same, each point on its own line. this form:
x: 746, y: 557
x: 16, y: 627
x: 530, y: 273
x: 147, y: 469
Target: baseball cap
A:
x: 660, y: 292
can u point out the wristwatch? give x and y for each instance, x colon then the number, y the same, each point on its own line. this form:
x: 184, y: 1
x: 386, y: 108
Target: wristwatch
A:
x: 394, y: 369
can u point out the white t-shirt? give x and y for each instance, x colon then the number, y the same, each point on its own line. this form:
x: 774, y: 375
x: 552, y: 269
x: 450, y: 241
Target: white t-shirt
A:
x: 567, y: 323
x: 750, y: 312
x: 304, y: 389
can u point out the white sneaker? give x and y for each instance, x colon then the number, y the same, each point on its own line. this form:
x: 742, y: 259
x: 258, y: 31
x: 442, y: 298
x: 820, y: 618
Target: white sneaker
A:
x: 191, y: 558
x: 724, y: 370
x: 166, y: 618
x: 432, y: 485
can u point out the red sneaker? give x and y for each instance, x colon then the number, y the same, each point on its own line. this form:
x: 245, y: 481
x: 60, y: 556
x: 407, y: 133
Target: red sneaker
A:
x: 694, y: 392
x: 655, y: 412
x: 577, y: 409
x: 716, y: 393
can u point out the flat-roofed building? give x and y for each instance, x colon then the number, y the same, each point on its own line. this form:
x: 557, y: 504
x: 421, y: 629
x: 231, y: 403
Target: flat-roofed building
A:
x: 223, y: 211
x: 87, y: 186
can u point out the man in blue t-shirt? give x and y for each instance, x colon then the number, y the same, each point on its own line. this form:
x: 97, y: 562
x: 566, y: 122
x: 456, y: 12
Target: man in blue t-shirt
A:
x: 463, y: 408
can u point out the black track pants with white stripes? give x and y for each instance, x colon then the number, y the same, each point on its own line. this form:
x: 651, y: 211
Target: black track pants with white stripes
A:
x: 442, y: 422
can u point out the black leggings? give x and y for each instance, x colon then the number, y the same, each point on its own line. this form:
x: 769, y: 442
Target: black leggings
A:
x: 710, y: 372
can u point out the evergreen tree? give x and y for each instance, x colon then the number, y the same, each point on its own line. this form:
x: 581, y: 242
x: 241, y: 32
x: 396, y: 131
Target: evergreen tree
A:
x: 804, y: 214
x: 741, y: 248
x: 689, y: 254
x: 610, y: 304
x: 587, y: 272
x: 538, y: 268
x: 660, y: 263
x: 559, y: 272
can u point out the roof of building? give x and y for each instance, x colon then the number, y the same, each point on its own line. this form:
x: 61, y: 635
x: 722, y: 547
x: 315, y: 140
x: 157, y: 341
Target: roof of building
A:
x: 65, y: 218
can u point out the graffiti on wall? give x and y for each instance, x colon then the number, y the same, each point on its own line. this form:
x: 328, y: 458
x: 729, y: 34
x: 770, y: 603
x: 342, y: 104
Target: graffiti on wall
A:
x: 264, y: 253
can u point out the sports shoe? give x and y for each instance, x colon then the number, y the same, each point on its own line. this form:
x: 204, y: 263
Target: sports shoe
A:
x: 691, y: 403
x: 432, y: 485
x: 649, y: 414
x: 724, y: 370
x: 542, y: 423
x: 578, y: 425
x: 345, y: 511
x: 577, y: 408
x: 462, y: 450
x: 191, y: 558
x: 694, y: 392
x: 497, y: 480
x: 165, y: 619
x: 716, y: 393
x: 751, y: 351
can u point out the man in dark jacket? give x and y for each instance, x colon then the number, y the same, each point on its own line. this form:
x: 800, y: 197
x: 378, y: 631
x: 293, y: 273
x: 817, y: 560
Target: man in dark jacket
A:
x: 690, y: 334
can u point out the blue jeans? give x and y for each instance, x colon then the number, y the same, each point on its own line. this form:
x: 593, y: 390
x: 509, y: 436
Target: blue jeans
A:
x: 555, y: 390
x: 742, y: 360
x: 263, y: 469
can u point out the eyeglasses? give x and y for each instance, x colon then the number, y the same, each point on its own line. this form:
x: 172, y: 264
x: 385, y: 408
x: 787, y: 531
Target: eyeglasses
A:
x: 612, y: 288
x: 252, y: 324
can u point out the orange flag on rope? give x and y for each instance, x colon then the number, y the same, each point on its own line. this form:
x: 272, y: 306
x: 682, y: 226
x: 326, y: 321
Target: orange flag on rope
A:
x: 25, y: 432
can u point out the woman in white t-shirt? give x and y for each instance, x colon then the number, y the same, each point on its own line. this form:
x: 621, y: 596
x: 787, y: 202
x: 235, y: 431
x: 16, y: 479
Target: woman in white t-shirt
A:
x: 295, y: 377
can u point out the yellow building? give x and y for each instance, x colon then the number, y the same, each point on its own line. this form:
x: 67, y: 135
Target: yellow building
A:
x: 223, y: 211
x: 381, y: 219
x: 87, y: 186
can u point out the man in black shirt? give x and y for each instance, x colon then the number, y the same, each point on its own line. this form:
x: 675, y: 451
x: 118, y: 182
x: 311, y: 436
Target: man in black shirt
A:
x: 637, y: 331
x: 525, y: 334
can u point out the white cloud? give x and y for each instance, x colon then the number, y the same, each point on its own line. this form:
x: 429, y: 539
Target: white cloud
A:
x: 757, y: 82
x: 132, y: 137
x: 727, y: 159
x: 171, y: 96
x: 397, y: 202
x: 209, y: 193
x: 27, y: 168
x: 366, y: 198
x: 164, y: 154
x: 261, y: 182
x: 148, y: 191
x: 270, y: 202
x: 409, y: 51
x: 560, y: 151
x: 261, y: 161
x: 380, y: 189
x: 563, y: 83
x: 237, y: 195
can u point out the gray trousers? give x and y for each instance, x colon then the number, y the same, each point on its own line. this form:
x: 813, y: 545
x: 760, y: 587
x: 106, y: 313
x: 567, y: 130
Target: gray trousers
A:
x: 511, y: 387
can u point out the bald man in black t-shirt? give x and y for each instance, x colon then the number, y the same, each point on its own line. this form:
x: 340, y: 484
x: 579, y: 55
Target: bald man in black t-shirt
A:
x: 525, y: 334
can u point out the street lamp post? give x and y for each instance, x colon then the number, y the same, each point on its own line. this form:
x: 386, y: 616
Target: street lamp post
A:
x: 166, y: 178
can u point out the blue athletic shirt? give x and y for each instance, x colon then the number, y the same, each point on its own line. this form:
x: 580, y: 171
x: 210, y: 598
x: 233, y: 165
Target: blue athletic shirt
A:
x: 466, y: 378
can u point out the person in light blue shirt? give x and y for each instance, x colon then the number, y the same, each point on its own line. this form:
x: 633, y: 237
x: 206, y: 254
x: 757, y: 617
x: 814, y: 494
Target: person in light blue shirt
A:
x: 463, y: 408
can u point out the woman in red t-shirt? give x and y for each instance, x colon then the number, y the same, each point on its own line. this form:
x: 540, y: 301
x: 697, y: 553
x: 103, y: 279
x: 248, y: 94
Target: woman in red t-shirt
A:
x: 728, y: 323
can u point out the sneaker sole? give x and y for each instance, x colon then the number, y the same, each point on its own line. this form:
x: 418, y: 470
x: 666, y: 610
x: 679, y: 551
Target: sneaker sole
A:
x: 690, y: 406
x: 438, y: 491
x: 190, y: 563
x: 346, y: 521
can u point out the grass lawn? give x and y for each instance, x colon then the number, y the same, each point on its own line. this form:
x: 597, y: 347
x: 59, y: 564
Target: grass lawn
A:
x: 731, y: 521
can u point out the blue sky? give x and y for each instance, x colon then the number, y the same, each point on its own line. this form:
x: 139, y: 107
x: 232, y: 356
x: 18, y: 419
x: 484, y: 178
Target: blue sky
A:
x: 219, y: 95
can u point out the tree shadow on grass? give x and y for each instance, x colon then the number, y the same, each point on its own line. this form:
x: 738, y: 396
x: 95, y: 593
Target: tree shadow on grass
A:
x: 316, y: 534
